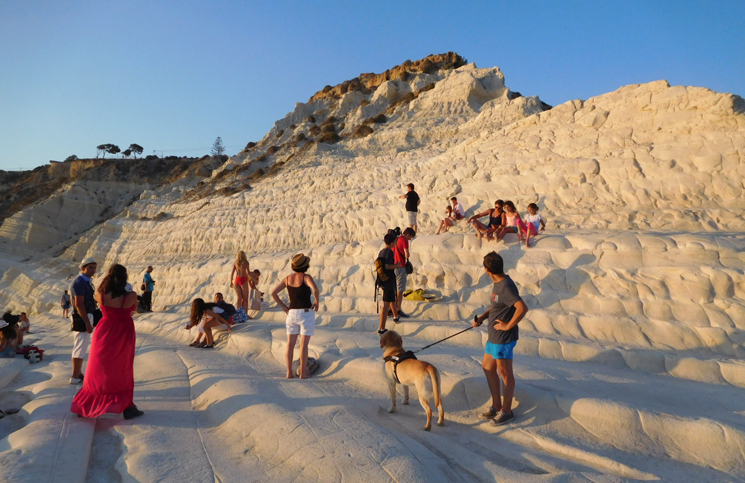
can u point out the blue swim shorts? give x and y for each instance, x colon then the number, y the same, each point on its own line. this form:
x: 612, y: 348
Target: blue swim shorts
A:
x: 500, y: 351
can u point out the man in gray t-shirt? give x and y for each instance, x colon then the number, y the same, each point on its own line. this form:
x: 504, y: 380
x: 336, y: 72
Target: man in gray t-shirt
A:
x: 506, y: 311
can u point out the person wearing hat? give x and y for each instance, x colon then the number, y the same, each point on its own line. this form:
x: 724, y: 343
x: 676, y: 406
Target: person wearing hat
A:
x: 147, y: 296
x: 83, y: 307
x: 7, y: 337
x: 301, y: 313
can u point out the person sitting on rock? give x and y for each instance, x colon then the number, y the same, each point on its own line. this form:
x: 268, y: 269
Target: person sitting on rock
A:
x: 458, y: 212
x: 510, y: 220
x: 534, y: 223
x: 495, y: 221
x: 8, y: 338
x: 448, y: 221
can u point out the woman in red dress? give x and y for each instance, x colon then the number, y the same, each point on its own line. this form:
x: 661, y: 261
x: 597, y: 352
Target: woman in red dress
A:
x: 109, y: 382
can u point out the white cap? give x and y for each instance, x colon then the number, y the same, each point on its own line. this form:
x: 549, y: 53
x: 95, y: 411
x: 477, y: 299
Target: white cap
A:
x: 3, y: 324
x: 128, y: 287
x: 87, y: 261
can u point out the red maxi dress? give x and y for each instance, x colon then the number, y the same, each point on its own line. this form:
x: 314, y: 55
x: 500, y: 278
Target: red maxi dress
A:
x: 108, y: 386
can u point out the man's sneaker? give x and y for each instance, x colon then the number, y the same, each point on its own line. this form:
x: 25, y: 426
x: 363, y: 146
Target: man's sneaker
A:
x: 382, y: 331
x: 132, y: 412
x: 503, y: 418
x: 396, y: 319
x: 404, y: 315
x: 490, y: 413
x: 76, y: 380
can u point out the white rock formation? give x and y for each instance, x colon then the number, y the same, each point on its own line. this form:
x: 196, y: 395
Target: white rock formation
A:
x: 630, y: 360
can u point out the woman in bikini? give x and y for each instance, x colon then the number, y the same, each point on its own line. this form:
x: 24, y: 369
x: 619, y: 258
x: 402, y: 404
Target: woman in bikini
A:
x: 510, y: 220
x: 495, y: 221
x: 301, y: 313
x: 241, y: 281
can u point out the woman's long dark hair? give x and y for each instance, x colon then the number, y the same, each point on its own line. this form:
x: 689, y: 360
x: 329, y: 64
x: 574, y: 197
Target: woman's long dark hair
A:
x: 198, y: 306
x: 115, y: 282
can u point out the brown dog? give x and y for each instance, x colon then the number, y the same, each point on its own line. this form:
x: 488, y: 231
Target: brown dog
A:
x: 421, y: 374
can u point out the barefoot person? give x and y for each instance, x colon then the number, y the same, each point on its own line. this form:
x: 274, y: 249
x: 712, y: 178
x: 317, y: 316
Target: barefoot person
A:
x: 242, y: 278
x: 109, y: 385
x: 447, y: 222
x: 495, y: 221
x: 534, y: 223
x: 510, y: 220
x: 301, y: 313
x: 506, y: 311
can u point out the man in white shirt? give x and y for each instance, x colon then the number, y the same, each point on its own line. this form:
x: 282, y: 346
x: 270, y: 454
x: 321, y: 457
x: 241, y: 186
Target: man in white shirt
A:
x: 458, y: 210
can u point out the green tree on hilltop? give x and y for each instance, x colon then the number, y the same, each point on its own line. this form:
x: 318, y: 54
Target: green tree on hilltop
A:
x: 217, y: 148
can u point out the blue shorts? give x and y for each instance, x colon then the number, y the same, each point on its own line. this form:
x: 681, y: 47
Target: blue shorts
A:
x: 500, y: 351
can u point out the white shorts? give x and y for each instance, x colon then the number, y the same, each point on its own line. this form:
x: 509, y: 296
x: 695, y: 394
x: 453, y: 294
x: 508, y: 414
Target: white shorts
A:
x: 80, y: 344
x: 200, y: 327
x: 301, y: 322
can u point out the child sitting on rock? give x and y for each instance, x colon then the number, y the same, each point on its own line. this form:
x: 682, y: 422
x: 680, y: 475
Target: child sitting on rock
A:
x: 448, y: 221
x: 534, y: 222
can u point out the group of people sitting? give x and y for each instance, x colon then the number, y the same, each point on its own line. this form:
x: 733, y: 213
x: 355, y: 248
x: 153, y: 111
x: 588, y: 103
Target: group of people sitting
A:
x: 12, y: 329
x: 503, y: 219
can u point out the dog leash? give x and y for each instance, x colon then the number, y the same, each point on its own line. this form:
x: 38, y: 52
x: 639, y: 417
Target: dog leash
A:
x: 442, y: 340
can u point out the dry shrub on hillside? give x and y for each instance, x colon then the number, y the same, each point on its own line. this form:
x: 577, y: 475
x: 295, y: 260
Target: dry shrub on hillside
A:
x: 362, y: 131
x: 329, y: 120
x: 329, y: 138
x: 379, y: 119
x: 292, y: 126
x: 315, y: 131
x: 280, y: 133
x: 311, y: 119
x: 257, y: 174
x: 327, y: 128
x: 272, y: 149
x: 364, y: 103
x: 300, y: 137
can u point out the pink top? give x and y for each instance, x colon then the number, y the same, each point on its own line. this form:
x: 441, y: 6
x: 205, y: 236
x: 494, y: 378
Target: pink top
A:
x: 511, y: 220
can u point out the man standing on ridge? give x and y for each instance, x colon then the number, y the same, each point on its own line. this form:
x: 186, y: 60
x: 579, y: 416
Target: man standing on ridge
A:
x: 83, y: 308
x: 147, y: 296
x: 401, y: 257
x: 412, y: 206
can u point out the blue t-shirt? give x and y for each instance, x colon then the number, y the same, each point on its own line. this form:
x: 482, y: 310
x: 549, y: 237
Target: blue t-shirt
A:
x: 82, y: 286
x: 504, y: 296
x: 149, y: 282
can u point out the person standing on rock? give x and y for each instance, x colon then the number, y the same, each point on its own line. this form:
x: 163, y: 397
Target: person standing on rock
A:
x: 242, y: 279
x: 401, y: 258
x: 65, y: 304
x: 412, y: 206
x: 83, y: 308
x: 149, y: 284
x: 109, y: 385
x: 387, y: 265
x: 506, y: 311
x: 301, y: 313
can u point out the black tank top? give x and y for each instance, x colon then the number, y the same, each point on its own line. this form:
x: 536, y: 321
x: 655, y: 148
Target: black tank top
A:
x: 300, y: 296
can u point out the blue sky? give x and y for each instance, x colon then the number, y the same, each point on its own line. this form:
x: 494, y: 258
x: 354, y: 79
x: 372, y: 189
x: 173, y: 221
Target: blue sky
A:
x: 174, y: 75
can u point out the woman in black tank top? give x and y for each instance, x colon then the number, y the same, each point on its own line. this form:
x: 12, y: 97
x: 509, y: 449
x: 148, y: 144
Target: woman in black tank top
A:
x: 300, y: 313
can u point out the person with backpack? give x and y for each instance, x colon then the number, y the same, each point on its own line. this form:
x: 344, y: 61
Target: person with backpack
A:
x: 385, y: 266
x: 401, y: 258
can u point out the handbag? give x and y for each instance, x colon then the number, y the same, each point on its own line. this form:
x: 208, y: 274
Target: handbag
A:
x: 143, y: 287
x: 97, y: 316
x: 409, y: 268
x: 78, y: 324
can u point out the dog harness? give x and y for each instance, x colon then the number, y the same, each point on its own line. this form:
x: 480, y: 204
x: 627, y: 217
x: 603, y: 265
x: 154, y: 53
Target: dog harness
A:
x: 399, y: 358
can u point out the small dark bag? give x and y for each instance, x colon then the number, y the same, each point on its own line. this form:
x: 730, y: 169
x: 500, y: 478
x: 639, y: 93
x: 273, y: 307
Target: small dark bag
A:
x: 409, y: 268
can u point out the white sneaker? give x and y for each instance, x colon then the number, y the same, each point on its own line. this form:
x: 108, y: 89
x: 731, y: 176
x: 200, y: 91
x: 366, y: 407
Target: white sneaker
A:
x: 76, y: 380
